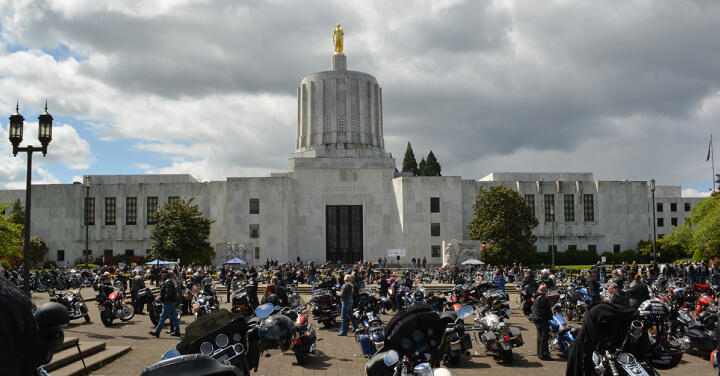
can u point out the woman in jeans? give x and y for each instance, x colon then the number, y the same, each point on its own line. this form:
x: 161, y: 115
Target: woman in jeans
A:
x: 346, y: 297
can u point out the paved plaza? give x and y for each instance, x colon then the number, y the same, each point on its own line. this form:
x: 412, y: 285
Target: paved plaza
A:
x: 334, y: 355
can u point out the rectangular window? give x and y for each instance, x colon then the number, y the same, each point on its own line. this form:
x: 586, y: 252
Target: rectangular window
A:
x: 152, y: 206
x: 254, y: 231
x: 257, y: 253
x: 661, y: 222
x: 90, y: 211
x: 673, y: 207
x: 130, y: 252
x: 572, y: 247
x: 592, y: 248
x: 549, y: 208
x: 87, y: 252
x: 616, y: 248
x: 588, y: 208
x: 434, y: 229
x: 130, y: 210
x: 659, y: 207
x: 569, y: 207
x: 550, y: 247
x: 434, y: 251
x: 530, y: 199
x: 172, y: 199
x: 109, y: 210
x: 687, y: 206
x: 107, y: 253
x: 434, y: 204
x: 60, y: 255
x: 254, y: 206
x: 673, y: 221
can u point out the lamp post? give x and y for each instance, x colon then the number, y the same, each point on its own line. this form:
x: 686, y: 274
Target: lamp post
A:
x: 87, y: 220
x: 16, y: 136
x: 652, y: 189
x: 552, y: 247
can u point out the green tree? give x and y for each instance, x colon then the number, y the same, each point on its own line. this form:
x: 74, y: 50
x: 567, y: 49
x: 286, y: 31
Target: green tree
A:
x: 432, y: 167
x: 409, y: 163
x: 182, y: 233
x: 10, y: 237
x: 421, y: 167
x: 17, y: 214
x: 700, y: 235
x: 504, y: 224
x: 38, y: 250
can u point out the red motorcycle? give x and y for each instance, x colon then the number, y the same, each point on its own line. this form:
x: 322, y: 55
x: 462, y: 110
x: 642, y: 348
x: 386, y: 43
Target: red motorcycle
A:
x: 112, y: 305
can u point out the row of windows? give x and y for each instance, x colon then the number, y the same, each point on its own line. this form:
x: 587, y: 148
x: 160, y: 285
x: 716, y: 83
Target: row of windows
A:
x: 673, y: 207
x: 128, y: 252
x: 569, y: 207
x: 590, y: 248
x: 661, y: 222
x: 131, y: 209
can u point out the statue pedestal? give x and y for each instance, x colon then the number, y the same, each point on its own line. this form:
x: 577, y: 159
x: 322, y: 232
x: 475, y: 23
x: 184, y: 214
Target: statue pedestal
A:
x: 339, y: 62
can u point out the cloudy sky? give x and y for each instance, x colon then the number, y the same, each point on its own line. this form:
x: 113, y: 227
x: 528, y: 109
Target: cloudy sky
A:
x: 622, y: 89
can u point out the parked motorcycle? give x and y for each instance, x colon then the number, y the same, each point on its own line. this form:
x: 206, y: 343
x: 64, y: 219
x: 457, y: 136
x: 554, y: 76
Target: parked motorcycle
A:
x: 284, y: 328
x: 239, y: 299
x: 73, y: 302
x: 370, y: 335
x: 457, y: 340
x: 413, y: 339
x: 325, y: 308
x: 220, y: 343
x: 562, y: 336
x: 305, y: 338
x: 497, y: 337
x: 112, y: 305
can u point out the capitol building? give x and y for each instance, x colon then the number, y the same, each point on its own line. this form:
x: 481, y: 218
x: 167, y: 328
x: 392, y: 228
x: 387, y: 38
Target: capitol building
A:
x: 343, y: 199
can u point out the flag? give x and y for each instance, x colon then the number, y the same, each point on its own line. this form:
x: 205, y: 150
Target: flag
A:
x: 709, y: 148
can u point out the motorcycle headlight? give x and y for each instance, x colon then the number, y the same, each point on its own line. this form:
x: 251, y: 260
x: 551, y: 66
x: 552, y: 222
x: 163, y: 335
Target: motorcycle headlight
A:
x: 222, y: 340
x: 206, y: 348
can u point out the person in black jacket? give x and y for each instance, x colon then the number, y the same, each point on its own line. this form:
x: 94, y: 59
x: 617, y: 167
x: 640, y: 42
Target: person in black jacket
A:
x: 618, y: 296
x: 541, y: 315
x: 594, y: 286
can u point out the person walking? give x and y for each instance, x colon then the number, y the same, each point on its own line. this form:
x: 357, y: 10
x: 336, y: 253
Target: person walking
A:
x: 346, y: 297
x: 137, y: 282
x: 594, y: 286
x: 168, y: 296
x: 541, y: 315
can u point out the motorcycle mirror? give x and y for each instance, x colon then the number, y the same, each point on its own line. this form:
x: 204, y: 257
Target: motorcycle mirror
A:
x: 264, y: 310
x: 172, y: 353
x: 391, y: 357
x: 596, y: 358
x: 465, y: 312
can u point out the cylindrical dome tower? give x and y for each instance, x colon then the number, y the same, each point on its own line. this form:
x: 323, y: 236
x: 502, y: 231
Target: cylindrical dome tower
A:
x: 339, y: 114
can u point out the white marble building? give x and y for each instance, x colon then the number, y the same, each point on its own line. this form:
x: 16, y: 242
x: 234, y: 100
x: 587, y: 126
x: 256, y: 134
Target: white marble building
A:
x: 342, y: 197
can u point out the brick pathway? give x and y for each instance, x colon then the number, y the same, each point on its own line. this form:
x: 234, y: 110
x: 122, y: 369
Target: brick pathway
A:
x: 334, y: 355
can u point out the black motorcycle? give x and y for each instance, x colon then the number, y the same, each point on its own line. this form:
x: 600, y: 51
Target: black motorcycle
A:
x: 457, y: 339
x: 413, y: 341
x: 73, y: 302
x: 325, y: 308
x: 239, y: 299
x: 283, y: 328
x: 219, y: 343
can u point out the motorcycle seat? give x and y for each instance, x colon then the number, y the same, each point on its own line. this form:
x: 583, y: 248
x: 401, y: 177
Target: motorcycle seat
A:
x: 695, y: 325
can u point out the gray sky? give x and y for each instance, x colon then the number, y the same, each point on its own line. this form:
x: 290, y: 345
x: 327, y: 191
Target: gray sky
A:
x: 622, y: 89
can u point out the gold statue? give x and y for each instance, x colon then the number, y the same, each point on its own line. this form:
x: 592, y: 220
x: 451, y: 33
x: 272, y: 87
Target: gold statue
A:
x: 338, y: 34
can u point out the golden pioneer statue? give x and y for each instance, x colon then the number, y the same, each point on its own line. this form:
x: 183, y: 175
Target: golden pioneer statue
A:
x: 338, y: 34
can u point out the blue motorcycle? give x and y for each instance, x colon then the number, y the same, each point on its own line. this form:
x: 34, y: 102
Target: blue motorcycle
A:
x: 562, y: 336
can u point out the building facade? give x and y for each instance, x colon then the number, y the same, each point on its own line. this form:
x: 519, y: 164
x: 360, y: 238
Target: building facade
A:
x: 342, y: 198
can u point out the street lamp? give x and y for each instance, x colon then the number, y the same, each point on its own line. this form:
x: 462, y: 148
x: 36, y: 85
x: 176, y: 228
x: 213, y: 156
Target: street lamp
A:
x: 552, y: 247
x: 16, y: 136
x: 652, y: 189
x: 87, y: 219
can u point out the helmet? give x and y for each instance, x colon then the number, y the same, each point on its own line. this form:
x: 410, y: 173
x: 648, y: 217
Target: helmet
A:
x: 277, y: 331
x: 51, y: 316
x: 106, y: 274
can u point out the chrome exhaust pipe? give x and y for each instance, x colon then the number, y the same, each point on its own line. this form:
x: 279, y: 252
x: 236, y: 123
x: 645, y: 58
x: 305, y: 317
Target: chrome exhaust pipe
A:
x: 467, y: 353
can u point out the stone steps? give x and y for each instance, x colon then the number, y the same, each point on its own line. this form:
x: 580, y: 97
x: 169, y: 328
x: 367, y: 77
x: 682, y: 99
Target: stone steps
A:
x: 67, y: 361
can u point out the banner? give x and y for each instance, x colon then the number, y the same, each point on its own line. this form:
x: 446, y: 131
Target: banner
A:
x: 396, y: 252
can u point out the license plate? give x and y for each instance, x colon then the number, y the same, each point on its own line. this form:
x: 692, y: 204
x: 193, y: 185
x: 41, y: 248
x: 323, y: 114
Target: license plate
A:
x: 455, y: 346
x: 101, y: 308
x: 503, y: 332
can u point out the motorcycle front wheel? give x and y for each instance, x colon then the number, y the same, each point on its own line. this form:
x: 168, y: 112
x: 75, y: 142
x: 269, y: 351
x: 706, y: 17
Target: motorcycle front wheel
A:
x: 129, y: 312
x: 154, y: 316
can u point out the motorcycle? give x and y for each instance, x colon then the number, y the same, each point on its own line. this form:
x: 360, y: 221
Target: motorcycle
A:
x: 305, y: 338
x: 219, y: 343
x: 562, y: 336
x: 370, y: 335
x: 497, y: 337
x: 73, y: 302
x: 239, y: 299
x: 284, y: 330
x: 112, y: 305
x: 325, y: 307
x: 413, y: 341
x: 457, y: 336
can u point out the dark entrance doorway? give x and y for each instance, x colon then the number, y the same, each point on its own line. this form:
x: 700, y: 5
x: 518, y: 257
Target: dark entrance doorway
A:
x: 344, y: 233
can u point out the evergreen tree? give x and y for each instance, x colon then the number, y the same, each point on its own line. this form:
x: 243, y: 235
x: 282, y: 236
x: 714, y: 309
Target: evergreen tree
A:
x: 409, y: 163
x: 432, y: 167
x: 421, y: 168
x: 182, y: 233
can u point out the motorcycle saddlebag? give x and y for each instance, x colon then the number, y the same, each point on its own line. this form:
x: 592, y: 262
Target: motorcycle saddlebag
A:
x: 515, y: 332
x: 192, y: 364
x: 145, y: 296
x: 365, y: 344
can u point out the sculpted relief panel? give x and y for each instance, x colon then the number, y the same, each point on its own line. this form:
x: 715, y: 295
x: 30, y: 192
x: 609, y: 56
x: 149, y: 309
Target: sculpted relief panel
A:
x: 456, y: 252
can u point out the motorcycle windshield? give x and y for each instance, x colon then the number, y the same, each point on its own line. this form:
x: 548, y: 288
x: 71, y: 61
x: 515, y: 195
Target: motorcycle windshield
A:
x: 207, y: 324
x: 236, y: 286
